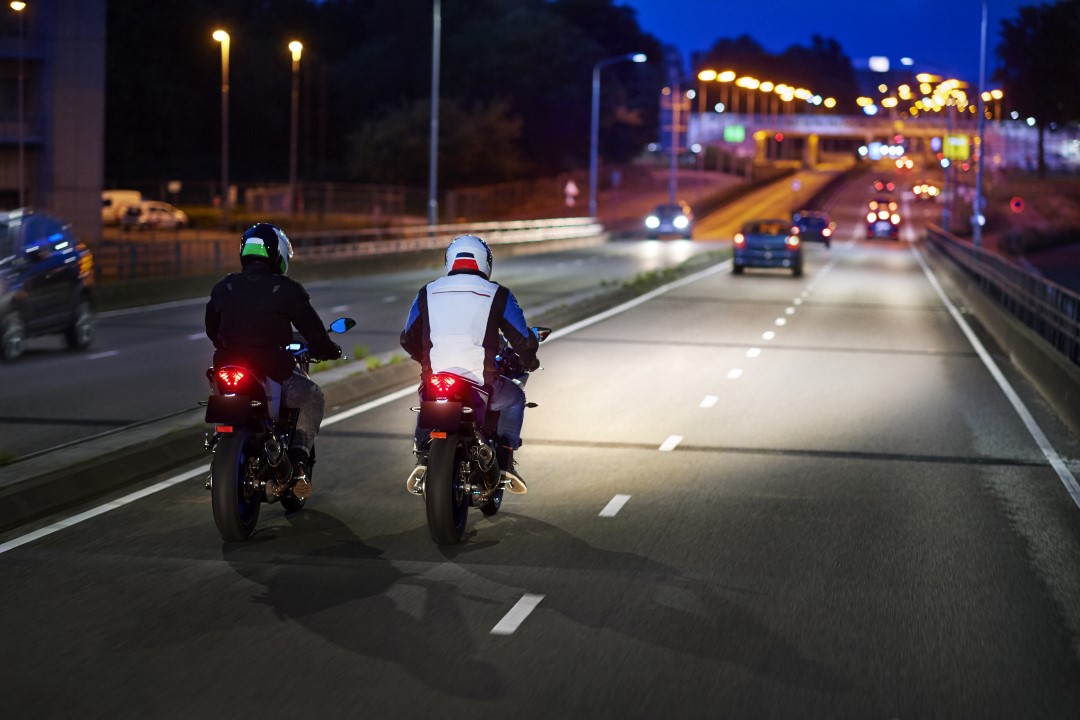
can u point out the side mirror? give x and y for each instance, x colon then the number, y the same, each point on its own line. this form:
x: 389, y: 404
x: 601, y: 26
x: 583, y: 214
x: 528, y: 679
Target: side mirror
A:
x: 541, y: 333
x: 342, y: 325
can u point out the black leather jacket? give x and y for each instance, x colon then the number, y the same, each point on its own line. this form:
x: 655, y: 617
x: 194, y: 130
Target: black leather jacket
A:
x: 250, y: 318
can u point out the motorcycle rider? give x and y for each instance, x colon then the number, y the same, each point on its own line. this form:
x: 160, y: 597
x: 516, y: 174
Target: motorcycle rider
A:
x: 454, y: 326
x: 250, y: 319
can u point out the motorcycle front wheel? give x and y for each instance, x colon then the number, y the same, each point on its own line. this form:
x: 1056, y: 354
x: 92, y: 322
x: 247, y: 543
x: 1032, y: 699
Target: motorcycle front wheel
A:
x: 236, y: 506
x: 445, y: 493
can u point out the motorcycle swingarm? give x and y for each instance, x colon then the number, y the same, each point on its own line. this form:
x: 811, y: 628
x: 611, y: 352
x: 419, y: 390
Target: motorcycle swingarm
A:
x: 228, y: 409
x: 436, y: 415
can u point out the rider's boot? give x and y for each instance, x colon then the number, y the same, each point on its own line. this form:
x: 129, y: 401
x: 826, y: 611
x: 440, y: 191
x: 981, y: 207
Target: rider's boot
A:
x: 511, y: 476
x: 301, y: 481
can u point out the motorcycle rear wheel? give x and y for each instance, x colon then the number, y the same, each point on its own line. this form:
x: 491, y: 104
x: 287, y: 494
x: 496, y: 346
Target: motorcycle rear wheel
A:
x: 235, y: 510
x: 444, y: 493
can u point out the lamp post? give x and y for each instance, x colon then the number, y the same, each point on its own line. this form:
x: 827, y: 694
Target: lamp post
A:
x: 296, y: 48
x: 433, y: 143
x: 223, y: 37
x: 704, y: 76
x: 18, y: 7
x: 594, y: 125
x: 724, y: 78
x: 977, y: 219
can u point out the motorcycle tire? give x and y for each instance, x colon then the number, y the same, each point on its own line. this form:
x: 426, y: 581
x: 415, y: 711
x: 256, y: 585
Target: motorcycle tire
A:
x: 235, y: 512
x: 444, y: 493
x: 493, y: 504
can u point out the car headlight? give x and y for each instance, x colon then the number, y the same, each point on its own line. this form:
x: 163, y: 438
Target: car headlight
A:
x: 895, y: 219
x: 652, y: 222
x: 681, y: 222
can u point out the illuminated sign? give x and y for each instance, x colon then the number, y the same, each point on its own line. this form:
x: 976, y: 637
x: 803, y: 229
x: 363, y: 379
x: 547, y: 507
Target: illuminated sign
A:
x: 734, y: 133
x: 957, y: 147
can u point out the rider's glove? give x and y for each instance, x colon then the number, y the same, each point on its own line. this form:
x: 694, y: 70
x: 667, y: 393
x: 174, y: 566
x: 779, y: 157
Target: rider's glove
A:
x: 333, y: 355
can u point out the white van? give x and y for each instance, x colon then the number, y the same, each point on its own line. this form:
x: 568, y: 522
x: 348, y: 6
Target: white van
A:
x: 115, y: 202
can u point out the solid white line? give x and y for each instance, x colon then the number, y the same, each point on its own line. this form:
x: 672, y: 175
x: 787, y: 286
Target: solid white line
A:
x: 517, y: 614
x: 671, y: 443
x: 101, y: 509
x: 709, y: 401
x: 100, y: 355
x: 339, y: 308
x: 1032, y: 426
x: 377, y: 402
x: 151, y: 308
x: 389, y: 299
x: 614, y: 506
x: 197, y: 336
x: 734, y: 374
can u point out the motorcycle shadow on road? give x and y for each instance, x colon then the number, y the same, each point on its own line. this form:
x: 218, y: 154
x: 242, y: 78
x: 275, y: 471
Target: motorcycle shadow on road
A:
x: 640, y: 598
x: 343, y: 589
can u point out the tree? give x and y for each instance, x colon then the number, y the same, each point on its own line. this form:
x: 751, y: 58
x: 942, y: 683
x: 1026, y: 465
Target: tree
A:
x: 1040, y: 65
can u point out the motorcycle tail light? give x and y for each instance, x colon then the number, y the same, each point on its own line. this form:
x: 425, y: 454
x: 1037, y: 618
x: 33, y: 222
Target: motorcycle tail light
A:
x: 442, y: 385
x: 230, y: 378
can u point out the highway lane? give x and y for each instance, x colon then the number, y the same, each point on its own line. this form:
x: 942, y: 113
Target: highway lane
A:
x: 148, y: 362
x: 839, y: 515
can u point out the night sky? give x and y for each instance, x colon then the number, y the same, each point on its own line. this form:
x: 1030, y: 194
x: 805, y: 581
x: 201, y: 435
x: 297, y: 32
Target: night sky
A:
x: 941, y: 36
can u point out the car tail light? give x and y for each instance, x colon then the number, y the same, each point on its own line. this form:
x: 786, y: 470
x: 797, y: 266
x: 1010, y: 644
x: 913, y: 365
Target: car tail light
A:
x: 792, y: 241
x: 870, y: 217
x: 230, y: 377
x: 892, y: 206
x: 441, y: 384
x: 895, y: 219
x: 739, y: 239
x: 873, y: 204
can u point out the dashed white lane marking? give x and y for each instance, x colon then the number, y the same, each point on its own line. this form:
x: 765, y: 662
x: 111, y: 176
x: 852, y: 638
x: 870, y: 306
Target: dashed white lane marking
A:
x: 780, y: 322
x: 709, y: 401
x: 768, y: 335
x: 805, y: 293
x: 197, y: 336
x: 671, y: 443
x: 389, y: 299
x: 753, y: 352
x: 612, y: 508
x: 734, y: 374
x: 789, y: 310
x: 107, y: 353
x: 339, y: 308
x: 513, y: 619
x: 797, y: 301
x: 1037, y: 434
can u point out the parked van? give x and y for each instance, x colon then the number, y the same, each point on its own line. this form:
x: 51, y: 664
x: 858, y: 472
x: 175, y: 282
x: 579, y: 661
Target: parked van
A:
x: 115, y: 202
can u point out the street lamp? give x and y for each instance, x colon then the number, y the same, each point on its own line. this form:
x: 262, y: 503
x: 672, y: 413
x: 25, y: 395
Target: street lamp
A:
x: 296, y: 48
x: 704, y: 76
x: 725, y: 77
x: 223, y: 37
x: 18, y: 7
x: 433, y: 121
x: 594, y: 127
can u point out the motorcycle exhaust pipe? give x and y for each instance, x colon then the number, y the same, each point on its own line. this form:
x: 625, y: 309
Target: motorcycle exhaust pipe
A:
x: 278, y: 460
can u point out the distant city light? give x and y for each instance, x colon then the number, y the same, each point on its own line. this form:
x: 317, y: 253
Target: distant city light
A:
x: 639, y: 58
x: 879, y: 63
x: 695, y: 148
x: 906, y: 61
x: 1031, y: 122
x: 870, y: 109
x: 1014, y: 115
x: 945, y: 162
x: 719, y: 107
x: 691, y: 94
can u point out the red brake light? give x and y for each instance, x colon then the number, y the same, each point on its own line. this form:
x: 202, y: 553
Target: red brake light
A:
x: 441, y: 383
x: 230, y: 377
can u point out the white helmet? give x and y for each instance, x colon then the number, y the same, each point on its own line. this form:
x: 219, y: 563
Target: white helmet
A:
x: 468, y: 252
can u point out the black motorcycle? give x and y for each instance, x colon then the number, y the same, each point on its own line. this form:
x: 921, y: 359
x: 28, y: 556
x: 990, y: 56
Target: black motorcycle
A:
x: 250, y: 442
x: 457, y: 444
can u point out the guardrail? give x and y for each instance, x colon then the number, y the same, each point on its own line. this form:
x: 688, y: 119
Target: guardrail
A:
x: 1051, y: 311
x: 189, y: 253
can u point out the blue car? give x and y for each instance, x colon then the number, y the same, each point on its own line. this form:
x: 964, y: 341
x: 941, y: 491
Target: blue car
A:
x: 768, y: 244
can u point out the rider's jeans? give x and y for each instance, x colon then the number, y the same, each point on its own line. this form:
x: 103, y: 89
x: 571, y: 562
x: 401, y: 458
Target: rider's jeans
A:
x: 509, y: 399
x: 300, y: 392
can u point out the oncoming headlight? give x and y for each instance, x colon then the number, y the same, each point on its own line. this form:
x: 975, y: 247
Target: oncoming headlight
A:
x: 652, y: 222
x: 681, y: 222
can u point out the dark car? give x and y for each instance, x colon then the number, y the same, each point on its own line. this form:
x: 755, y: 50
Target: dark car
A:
x: 768, y: 244
x: 46, y: 282
x: 883, y: 185
x: 883, y: 219
x: 670, y: 219
x: 814, y: 226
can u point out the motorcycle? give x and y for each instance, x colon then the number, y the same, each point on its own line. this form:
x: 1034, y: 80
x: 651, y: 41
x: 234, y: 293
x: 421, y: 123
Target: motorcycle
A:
x: 250, y: 442
x: 459, y: 453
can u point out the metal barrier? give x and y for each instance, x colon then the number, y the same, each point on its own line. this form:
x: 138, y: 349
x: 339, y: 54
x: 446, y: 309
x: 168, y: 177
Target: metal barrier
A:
x: 186, y: 253
x: 1051, y: 311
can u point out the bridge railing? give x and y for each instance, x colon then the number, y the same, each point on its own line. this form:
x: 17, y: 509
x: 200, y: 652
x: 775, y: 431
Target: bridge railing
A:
x: 187, y: 253
x: 1048, y: 309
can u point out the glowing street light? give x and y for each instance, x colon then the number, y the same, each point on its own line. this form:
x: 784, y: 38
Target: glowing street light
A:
x: 223, y: 37
x: 594, y: 129
x: 18, y: 7
x: 296, y: 48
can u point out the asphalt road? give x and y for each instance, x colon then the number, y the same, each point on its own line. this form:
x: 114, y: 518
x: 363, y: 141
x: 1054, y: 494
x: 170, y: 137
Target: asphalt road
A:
x: 754, y: 496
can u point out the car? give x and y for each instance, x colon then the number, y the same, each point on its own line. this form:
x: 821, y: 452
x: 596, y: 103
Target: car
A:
x: 768, y: 244
x: 46, y: 282
x: 670, y: 219
x: 883, y: 219
x: 115, y: 202
x: 153, y: 215
x: 926, y: 191
x: 883, y: 185
x: 814, y: 226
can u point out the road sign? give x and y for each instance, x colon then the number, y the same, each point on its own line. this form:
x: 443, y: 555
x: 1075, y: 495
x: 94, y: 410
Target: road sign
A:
x: 1017, y: 204
x: 957, y: 147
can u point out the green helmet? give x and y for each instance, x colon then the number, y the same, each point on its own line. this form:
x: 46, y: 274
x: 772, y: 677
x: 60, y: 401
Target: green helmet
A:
x: 266, y: 243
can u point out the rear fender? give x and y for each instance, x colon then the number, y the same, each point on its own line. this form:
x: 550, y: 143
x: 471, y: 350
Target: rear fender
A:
x: 440, y: 415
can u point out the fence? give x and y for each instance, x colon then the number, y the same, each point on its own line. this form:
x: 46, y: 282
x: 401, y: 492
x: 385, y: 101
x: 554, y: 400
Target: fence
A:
x: 1053, y: 312
x: 187, y: 252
